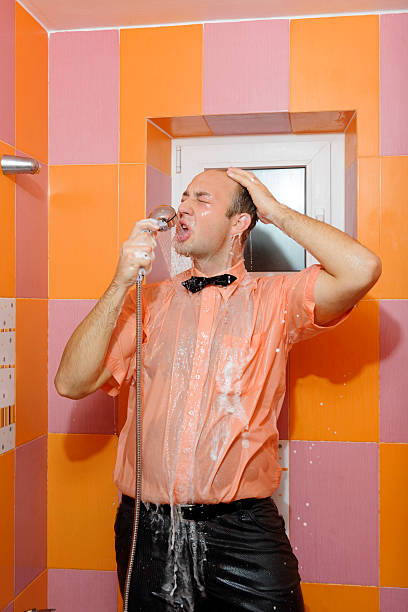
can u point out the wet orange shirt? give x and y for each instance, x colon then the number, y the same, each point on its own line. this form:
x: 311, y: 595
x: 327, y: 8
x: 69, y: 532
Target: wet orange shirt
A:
x: 214, y: 376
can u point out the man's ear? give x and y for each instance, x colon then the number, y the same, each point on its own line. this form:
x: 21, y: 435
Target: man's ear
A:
x: 241, y: 222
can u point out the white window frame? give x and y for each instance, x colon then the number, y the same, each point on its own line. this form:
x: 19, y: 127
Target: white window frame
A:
x: 321, y: 154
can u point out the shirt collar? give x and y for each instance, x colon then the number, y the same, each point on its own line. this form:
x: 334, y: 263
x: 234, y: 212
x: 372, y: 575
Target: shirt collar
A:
x: 237, y: 270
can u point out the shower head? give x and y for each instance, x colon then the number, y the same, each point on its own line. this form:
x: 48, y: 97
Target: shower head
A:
x: 166, y: 215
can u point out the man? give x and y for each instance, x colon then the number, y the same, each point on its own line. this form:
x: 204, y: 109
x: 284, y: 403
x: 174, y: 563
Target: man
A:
x: 214, y: 360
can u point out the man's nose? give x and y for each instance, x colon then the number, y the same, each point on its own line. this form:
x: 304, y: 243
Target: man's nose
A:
x: 184, y: 208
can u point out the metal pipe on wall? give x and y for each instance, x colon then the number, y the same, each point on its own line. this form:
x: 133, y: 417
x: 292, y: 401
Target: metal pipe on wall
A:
x: 12, y: 164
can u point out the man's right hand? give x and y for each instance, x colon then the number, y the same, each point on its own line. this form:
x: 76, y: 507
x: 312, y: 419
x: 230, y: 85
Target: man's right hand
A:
x: 137, y: 252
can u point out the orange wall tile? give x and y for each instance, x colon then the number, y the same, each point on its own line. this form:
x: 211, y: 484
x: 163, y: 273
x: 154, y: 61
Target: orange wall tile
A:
x: 334, y: 65
x: 338, y: 598
x: 83, y: 226
x: 82, y: 501
x: 31, y: 369
x: 7, y: 229
x: 368, y: 206
x: 368, y: 210
x: 339, y: 368
x: 34, y: 596
x: 393, y: 283
x: 31, y: 86
x: 158, y: 149
x: 132, y: 200
x: 393, y: 515
x: 7, y: 473
x: 160, y: 75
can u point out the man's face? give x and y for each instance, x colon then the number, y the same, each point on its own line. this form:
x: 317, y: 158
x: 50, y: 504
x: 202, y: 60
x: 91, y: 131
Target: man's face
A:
x: 203, y: 228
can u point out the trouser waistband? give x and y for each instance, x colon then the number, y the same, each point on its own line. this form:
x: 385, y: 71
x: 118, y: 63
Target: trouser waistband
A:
x: 200, y: 512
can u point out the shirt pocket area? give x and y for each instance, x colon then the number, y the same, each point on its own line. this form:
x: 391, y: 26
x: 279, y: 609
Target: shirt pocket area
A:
x: 239, y: 369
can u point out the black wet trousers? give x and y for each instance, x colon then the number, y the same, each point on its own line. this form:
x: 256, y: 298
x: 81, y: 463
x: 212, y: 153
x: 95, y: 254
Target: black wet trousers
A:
x: 237, y: 561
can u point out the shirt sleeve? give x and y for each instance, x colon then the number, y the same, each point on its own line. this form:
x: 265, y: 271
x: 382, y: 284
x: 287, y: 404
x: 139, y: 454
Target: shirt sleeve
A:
x: 298, y: 292
x: 120, y: 358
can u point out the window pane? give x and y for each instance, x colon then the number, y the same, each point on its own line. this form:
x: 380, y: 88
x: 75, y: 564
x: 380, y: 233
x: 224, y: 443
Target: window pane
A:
x: 272, y: 250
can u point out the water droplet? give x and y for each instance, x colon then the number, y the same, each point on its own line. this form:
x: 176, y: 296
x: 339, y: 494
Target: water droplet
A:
x: 277, y: 350
x: 307, y: 504
x: 294, y: 451
x: 305, y: 524
x: 310, y: 461
x: 321, y: 403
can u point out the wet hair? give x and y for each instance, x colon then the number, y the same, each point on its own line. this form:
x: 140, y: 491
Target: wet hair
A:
x: 242, y: 203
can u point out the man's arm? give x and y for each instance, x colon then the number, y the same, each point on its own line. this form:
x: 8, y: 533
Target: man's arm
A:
x: 81, y: 370
x: 350, y: 268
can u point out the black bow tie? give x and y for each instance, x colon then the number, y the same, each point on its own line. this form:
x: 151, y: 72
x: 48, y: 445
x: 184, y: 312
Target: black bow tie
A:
x: 196, y: 283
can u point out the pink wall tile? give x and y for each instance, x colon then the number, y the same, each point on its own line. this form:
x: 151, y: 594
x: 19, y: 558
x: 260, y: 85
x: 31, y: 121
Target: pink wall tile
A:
x: 158, y: 191
x: 246, y: 67
x: 84, y: 97
x: 339, y: 480
x: 393, y: 600
x: 30, y: 512
x: 257, y: 123
x: 89, y: 590
x: 7, y: 54
x: 32, y: 233
x: 95, y: 413
x: 393, y: 84
x: 393, y: 379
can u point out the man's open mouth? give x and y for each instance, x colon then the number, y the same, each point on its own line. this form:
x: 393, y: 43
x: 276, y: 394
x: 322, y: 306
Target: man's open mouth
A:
x: 183, y: 232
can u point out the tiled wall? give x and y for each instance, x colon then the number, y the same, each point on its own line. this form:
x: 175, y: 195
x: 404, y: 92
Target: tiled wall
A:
x: 24, y: 293
x: 345, y: 418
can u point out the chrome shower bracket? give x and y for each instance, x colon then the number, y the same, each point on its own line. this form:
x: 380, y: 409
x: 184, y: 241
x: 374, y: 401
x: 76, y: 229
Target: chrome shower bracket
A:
x: 12, y: 164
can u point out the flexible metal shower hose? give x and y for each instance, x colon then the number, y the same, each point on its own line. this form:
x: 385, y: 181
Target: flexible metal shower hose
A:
x: 138, y: 439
